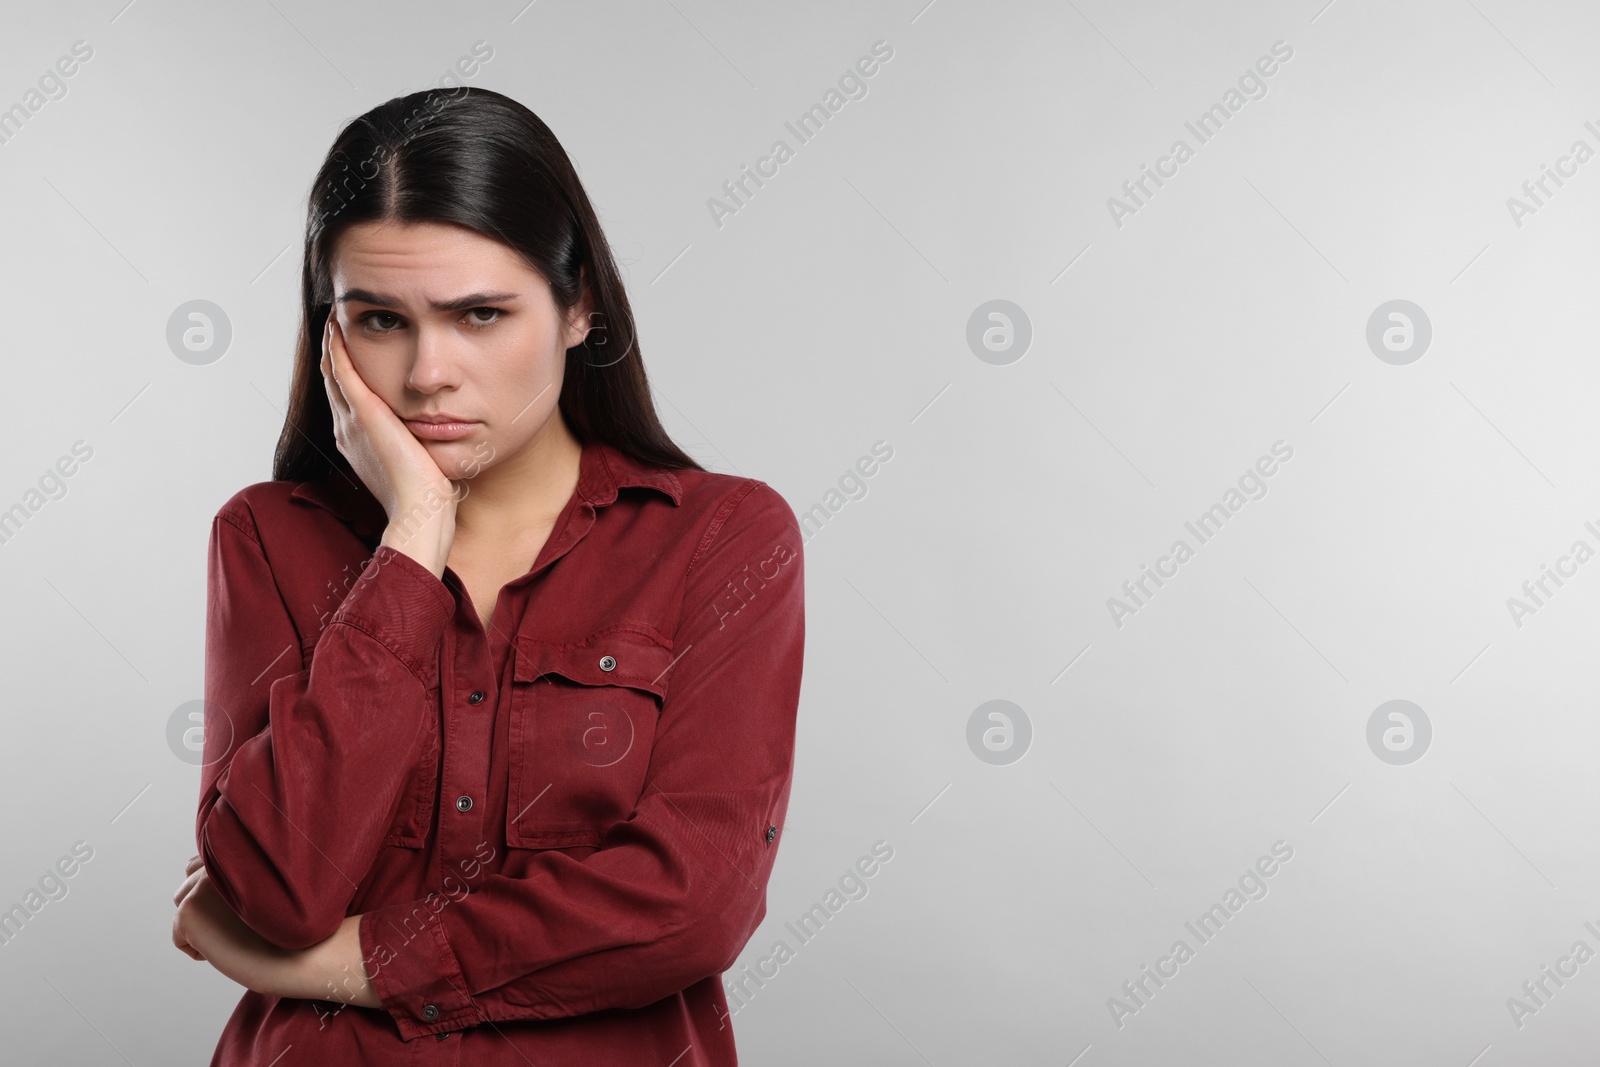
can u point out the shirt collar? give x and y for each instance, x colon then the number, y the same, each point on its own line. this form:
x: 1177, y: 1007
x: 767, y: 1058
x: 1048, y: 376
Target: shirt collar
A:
x: 602, y: 470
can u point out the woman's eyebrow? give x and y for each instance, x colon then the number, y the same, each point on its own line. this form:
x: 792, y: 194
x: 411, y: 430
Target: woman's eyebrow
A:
x: 460, y: 303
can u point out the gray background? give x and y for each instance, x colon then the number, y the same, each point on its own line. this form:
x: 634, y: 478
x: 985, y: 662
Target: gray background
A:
x: 832, y: 311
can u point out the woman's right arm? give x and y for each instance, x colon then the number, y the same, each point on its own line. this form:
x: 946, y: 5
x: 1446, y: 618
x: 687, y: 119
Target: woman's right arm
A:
x: 304, y: 767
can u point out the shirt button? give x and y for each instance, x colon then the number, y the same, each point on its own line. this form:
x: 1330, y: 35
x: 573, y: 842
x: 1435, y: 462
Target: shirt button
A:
x: 607, y: 663
x: 430, y: 1012
x: 463, y: 803
x: 442, y: 1034
x: 772, y: 831
x: 476, y: 697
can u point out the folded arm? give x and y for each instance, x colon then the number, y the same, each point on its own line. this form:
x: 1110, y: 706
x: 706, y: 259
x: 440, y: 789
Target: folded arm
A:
x: 673, y: 892
x: 304, y: 768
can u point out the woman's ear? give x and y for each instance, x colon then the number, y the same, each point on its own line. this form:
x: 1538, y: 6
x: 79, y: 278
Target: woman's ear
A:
x: 582, y: 319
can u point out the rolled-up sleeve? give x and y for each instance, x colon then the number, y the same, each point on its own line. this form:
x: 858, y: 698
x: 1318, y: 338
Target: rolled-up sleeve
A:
x: 304, y: 767
x: 675, y: 891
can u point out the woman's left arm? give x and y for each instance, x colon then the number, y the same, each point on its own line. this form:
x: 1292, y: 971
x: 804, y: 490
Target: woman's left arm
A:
x: 674, y: 891
x: 207, y: 928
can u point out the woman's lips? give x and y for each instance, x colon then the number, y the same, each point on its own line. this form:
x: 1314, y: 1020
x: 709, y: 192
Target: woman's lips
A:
x: 441, y: 431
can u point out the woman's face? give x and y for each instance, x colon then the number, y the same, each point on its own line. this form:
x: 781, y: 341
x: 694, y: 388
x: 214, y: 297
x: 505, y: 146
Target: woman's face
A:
x: 440, y: 320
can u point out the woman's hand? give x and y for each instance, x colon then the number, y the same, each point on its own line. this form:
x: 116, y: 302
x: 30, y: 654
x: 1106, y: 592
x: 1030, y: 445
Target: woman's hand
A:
x: 178, y: 937
x: 207, y: 928
x: 416, y: 495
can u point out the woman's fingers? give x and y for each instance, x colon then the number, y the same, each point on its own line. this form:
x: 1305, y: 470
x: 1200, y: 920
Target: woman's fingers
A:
x: 337, y: 401
x: 180, y: 939
x: 195, y: 863
x: 181, y: 942
x: 356, y: 408
x: 188, y: 884
x: 353, y: 390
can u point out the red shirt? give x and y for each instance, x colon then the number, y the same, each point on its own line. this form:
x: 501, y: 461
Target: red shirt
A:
x: 558, y: 833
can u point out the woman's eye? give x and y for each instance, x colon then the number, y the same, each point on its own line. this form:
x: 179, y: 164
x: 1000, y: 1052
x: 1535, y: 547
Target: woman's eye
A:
x: 477, y: 318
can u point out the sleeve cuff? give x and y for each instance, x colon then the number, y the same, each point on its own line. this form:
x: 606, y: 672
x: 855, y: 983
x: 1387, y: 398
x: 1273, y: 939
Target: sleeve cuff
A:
x: 414, y: 971
x: 400, y: 604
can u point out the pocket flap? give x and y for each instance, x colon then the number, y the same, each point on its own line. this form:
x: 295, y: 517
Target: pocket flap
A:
x: 626, y: 657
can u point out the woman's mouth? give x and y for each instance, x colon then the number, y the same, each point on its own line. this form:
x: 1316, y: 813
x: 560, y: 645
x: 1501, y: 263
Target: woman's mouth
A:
x: 441, y: 431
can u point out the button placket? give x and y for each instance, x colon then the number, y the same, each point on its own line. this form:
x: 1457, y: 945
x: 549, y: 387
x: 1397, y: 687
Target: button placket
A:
x: 465, y: 766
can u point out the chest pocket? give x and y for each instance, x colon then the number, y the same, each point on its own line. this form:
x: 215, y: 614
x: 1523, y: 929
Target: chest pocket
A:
x: 582, y: 726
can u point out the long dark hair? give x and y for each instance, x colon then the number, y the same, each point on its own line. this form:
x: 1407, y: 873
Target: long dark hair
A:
x: 479, y: 159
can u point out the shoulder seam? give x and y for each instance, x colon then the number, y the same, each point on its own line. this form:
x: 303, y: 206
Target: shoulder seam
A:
x: 714, y: 527
x: 239, y: 524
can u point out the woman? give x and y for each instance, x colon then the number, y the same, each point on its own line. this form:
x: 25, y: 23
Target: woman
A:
x: 500, y: 684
